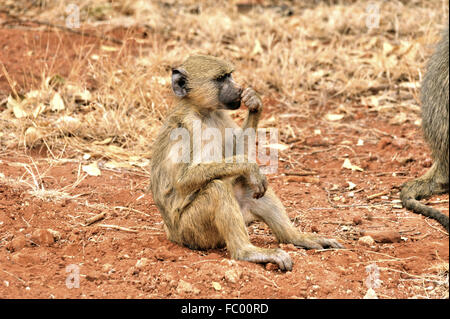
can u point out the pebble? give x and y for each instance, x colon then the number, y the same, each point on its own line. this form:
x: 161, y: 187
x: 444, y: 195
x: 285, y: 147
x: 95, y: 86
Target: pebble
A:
x: 42, y: 237
x: 271, y: 266
x: 184, y: 287
x: 141, y: 263
x: 163, y: 253
x: 385, y: 237
x: 17, y: 243
x: 384, y: 141
x: 366, y: 241
x: 216, y: 286
x: 357, y: 220
x: 232, y: 275
x: 107, y: 267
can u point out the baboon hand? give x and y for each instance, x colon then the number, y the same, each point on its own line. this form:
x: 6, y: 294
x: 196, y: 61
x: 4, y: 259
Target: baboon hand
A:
x: 257, y: 181
x: 311, y: 241
x: 252, y: 100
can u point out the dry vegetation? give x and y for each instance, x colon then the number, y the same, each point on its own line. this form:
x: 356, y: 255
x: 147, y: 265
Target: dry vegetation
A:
x: 322, y: 59
x: 319, y: 60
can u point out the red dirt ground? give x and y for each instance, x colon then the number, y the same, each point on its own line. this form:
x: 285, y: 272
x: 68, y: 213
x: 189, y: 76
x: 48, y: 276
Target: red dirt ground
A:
x: 34, y: 266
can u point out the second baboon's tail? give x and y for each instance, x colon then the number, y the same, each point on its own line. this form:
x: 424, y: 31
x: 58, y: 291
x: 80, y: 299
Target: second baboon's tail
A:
x: 420, y: 188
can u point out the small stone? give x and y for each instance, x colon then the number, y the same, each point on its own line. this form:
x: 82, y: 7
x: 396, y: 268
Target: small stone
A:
x: 384, y: 237
x: 232, y: 275
x: 17, y: 243
x: 427, y: 162
x: 314, y: 229
x: 107, y: 268
x: 184, y: 287
x: 384, y: 141
x: 216, y: 285
x: 56, y: 234
x: 25, y: 258
x: 357, y: 220
x: 141, y: 263
x: 42, y: 237
x: 366, y: 241
x: 163, y: 253
x: 271, y: 266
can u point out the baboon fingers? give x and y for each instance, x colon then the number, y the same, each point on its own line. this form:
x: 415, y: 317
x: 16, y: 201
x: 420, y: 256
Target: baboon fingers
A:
x: 276, y: 256
x: 247, y: 93
x: 310, y: 241
x: 251, y: 100
x: 330, y: 243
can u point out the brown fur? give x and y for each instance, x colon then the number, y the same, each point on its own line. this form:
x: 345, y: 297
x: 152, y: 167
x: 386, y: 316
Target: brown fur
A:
x: 207, y: 205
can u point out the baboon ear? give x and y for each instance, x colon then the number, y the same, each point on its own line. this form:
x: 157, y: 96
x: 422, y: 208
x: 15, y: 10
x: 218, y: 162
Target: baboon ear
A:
x: 179, y: 82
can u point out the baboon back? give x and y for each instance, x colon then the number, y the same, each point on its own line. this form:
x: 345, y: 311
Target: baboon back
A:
x: 435, y: 104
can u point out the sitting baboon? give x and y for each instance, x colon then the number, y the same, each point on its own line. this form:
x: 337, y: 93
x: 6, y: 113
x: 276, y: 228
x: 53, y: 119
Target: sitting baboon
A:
x: 207, y: 204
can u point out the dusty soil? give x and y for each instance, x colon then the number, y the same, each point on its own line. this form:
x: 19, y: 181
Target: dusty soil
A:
x: 137, y: 261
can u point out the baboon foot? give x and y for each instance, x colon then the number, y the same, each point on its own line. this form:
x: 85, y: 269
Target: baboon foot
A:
x: 262, y: 255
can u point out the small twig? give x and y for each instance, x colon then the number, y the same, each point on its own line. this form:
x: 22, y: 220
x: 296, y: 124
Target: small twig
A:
x: 382, y: 260
x: 17, y: 277
x: 438, y: 229
x: 94, y: 219
x: 350, y: 206
x: 338, y: 223
x: 118, y: 228
x: 268, y: 280
x: 403, y: 272
x: 131, y: 209
x: 321, y: 151
x: 378, y: 195
x: 333, y: 249
x: 437, y: 202
x: 204, y: 261
x: 300, y: 174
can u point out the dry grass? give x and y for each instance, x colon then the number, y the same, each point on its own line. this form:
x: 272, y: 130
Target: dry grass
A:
x: 322, y: 59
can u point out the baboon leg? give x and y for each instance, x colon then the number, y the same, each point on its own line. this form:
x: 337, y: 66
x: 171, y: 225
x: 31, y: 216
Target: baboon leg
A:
x: 270, y: 210
x: 433, y: 182
x: 214, y: 219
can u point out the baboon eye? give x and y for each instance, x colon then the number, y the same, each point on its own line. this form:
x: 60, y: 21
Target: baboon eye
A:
x: 223, y: 77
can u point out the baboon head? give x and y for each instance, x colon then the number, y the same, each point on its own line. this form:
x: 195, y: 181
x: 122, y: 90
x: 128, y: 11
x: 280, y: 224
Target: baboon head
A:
x: 206, y: 82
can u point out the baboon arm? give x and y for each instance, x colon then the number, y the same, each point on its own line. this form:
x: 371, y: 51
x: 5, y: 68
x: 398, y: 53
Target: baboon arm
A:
x: 196, y: 176
x: 254, y: 103
x: 252, y: 120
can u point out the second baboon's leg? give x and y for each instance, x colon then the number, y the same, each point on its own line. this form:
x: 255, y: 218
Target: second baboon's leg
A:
x: 215, y: 217
x: 433, y: 182
x: 270, y: 210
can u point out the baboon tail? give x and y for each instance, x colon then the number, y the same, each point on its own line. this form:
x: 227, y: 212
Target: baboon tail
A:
x: 416, y: 189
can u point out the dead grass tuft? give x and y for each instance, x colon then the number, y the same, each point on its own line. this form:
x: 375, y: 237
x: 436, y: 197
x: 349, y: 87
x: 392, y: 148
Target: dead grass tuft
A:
x: 319, y: 58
